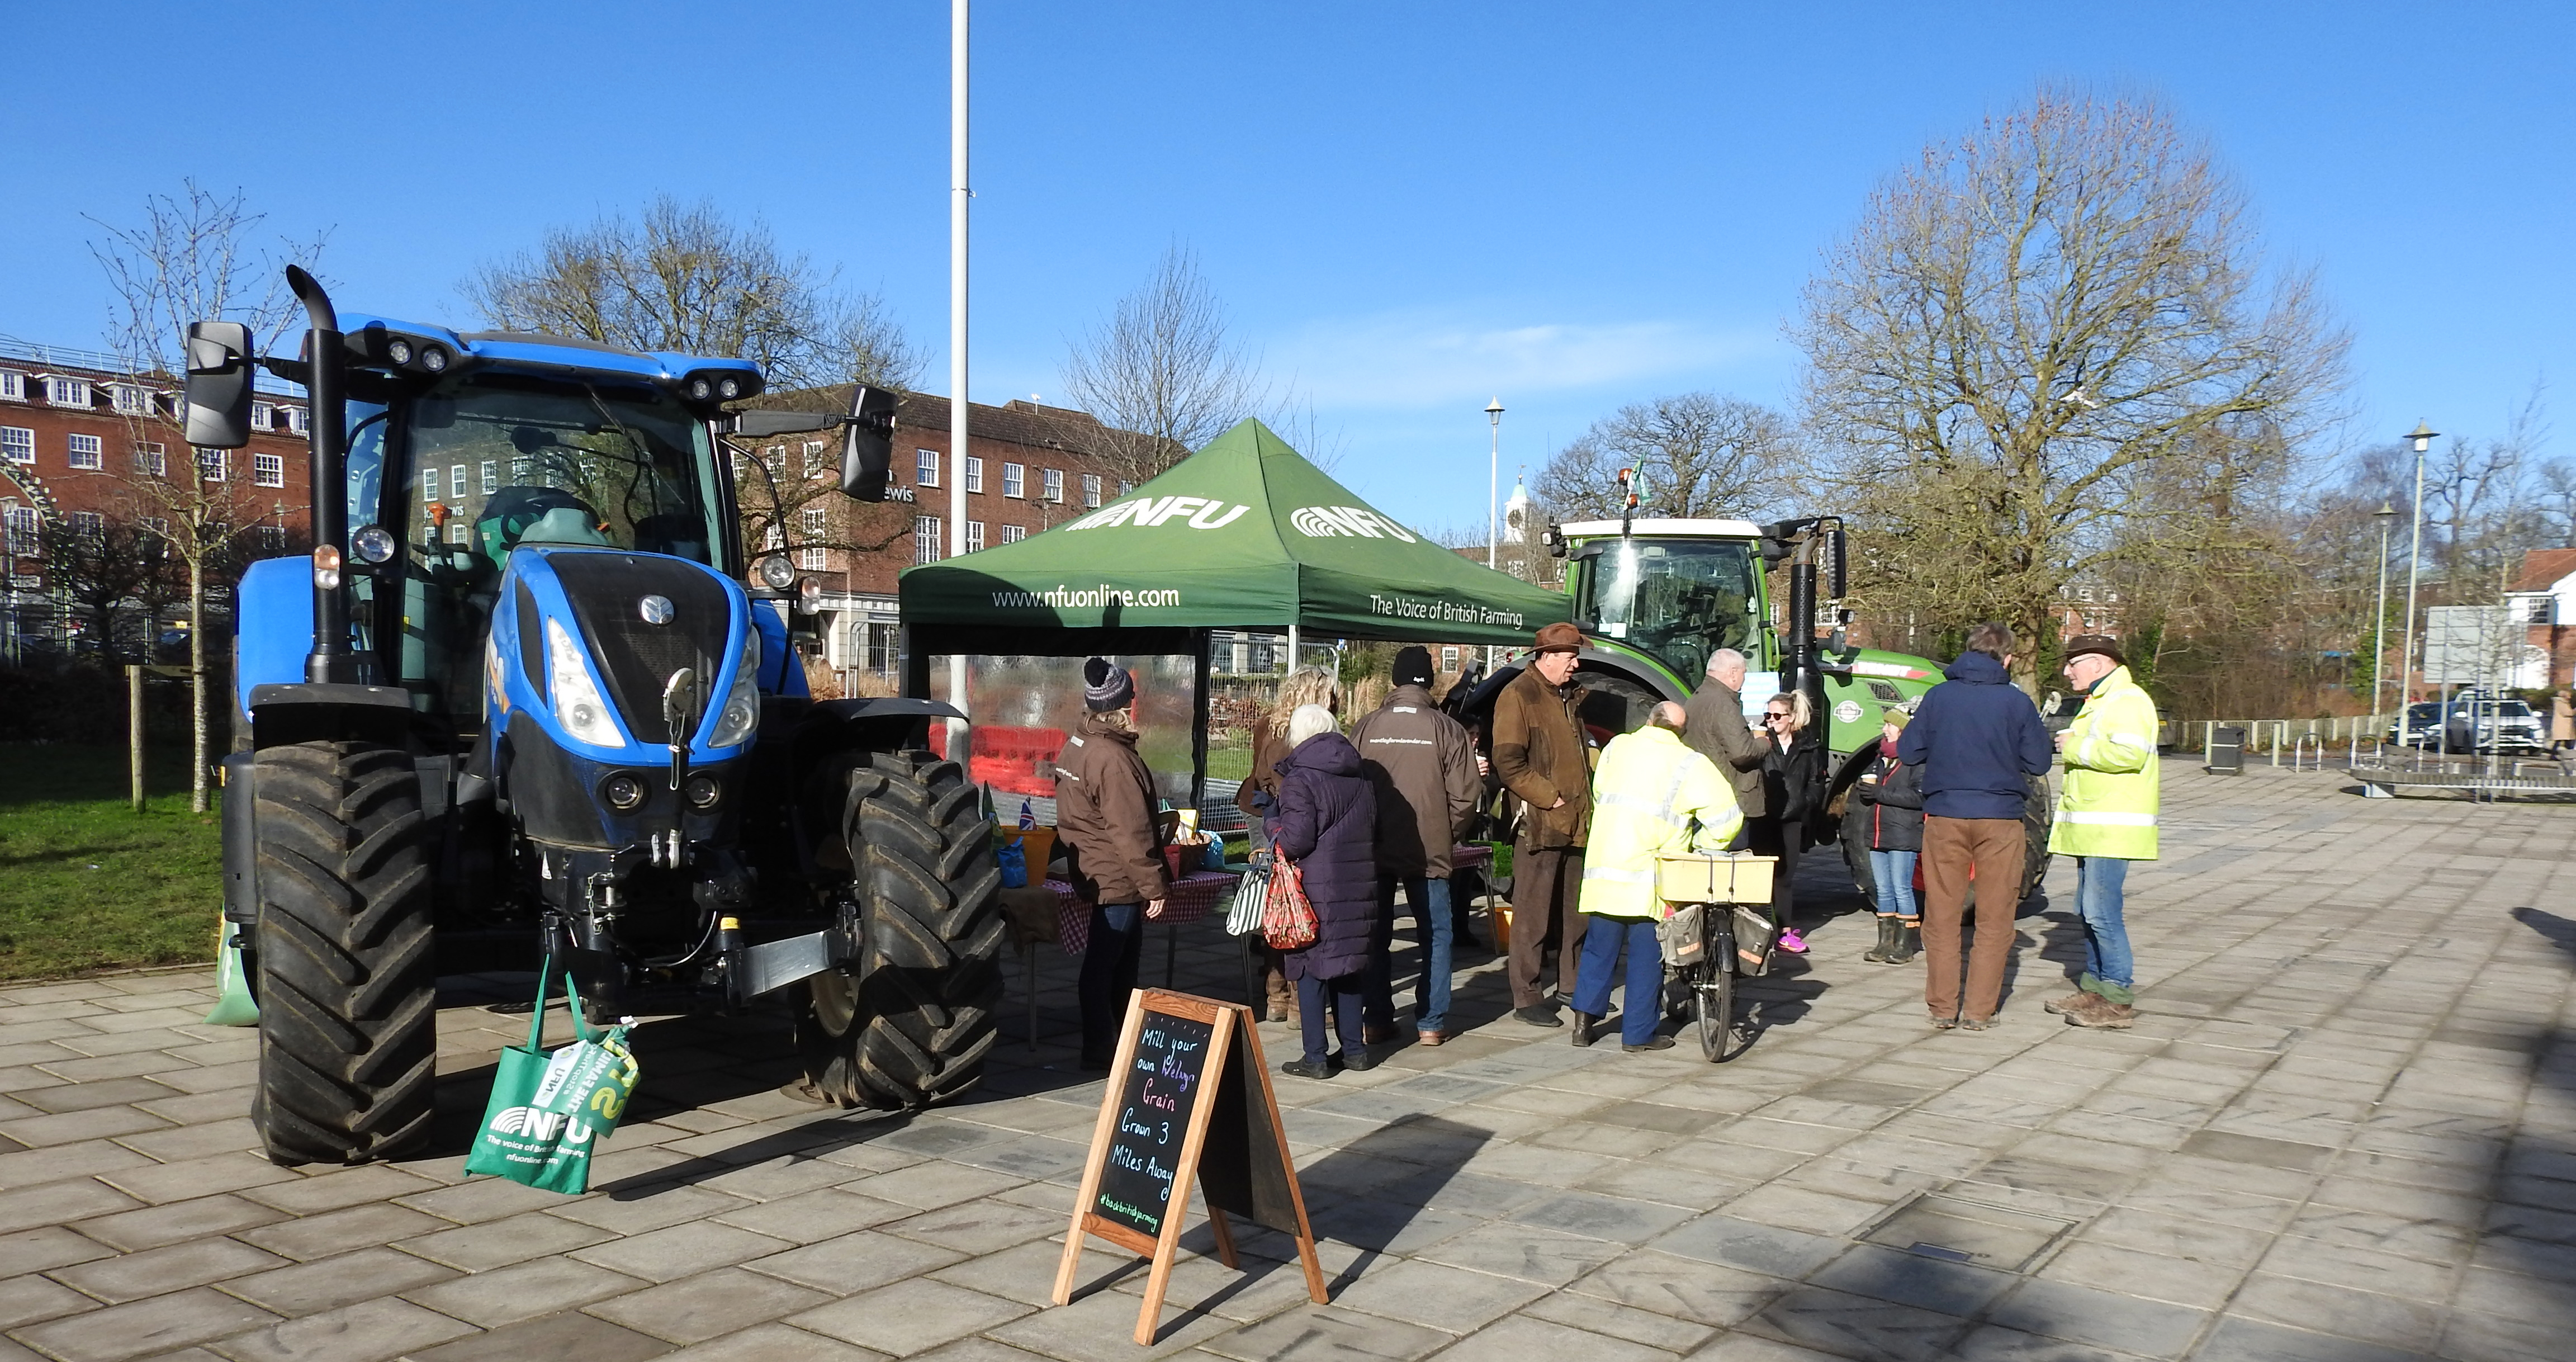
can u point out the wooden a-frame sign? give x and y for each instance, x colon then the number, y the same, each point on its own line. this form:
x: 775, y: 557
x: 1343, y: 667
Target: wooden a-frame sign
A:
x: 1188, y: 1103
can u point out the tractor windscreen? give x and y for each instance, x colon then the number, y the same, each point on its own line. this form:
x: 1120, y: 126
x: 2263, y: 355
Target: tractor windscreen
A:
x: 1678, y: 600
x: 500, y: 460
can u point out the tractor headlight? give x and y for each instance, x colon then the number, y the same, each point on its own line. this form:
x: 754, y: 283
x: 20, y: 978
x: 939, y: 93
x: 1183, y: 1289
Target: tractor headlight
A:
x: 776, y: 572
x: 433, y: 358
x: 742, y: 704
x: 703, y: 792
x: 624, y: 793
x: 578, y: 704
x: 398, y: 350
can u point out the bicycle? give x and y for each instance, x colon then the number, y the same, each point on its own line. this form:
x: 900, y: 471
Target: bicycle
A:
x: 1701, y: 967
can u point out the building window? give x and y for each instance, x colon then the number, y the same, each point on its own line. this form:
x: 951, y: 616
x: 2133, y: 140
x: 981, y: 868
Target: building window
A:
x: 13, y: 387
x: 816, y: 464
x: 429, y: 484
x: 974, y: 536
x: 491, y: 476
x: 268, y: 470
x: 460, y: 531
x: 1012, y: 534
x: 211, y: 464
x: 1449, y: 657
x: 884, y: 653
x: 85, y: 451
x: 816, y: 522
x: 151, y: 461
x: 1125, y: 486
x: 88, y: 524
x: 456, y: 482
x: 295, y: 419
x: 18, y: 444
x: 153, y: 524
x: 130, y: 400
x: 925, y: 539
x: 272, y: 537
x: 1091, y: 489
x: 1014, y: 480
x: 812, y: 559
x: 1053, y: 480
x: 67, y: 392
x: 263, y: 415
x: 925, y: 469
x: 24, y: 522
x: 974, y: 473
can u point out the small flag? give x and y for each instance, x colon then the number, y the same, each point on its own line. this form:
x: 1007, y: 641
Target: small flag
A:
x: 1028, y: 817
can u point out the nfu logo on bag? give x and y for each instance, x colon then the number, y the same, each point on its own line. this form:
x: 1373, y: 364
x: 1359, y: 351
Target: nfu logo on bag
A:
x: 539, y: 1125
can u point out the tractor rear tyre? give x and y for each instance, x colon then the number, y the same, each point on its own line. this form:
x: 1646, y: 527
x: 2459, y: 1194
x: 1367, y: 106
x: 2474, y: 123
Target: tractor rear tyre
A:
x: 348, y: 1005
x: 910, y: 1021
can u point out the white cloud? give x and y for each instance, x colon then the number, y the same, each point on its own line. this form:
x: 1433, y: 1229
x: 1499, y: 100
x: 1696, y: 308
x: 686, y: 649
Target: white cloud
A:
x: 1415, y: 360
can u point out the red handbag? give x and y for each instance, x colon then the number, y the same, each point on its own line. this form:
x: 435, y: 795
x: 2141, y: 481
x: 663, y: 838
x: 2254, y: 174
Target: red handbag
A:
x: 1288, y: 920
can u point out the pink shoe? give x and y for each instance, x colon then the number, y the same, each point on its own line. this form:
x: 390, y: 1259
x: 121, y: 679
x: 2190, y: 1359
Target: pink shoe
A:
x: 1791, y: 942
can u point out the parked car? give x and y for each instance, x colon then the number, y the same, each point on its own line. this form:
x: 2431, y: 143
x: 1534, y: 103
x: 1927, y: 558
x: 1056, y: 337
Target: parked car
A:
x: 2419, y: 726
x: 2471, y: 723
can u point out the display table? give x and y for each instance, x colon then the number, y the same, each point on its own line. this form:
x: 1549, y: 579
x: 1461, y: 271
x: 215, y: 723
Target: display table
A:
x: 1053, y: 911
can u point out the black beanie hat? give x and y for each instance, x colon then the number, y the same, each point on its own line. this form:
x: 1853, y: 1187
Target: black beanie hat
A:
x: 1413, y: 667
x: 1105, y: 687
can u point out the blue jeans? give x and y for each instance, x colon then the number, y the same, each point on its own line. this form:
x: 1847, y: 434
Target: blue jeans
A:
x: 1894, y: 871
x: 2108, y: 970
x: 1434, y: 929
x: 1643, y: 1008
x: 1109, y: 974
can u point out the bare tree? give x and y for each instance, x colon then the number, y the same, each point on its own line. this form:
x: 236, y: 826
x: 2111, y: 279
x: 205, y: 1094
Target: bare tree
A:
x: 684, y: 277
x: 2031, y: 328
x: 1699, y: 455
x: 96, y: 568
x: 1161, y: 373
x: 191, y: 256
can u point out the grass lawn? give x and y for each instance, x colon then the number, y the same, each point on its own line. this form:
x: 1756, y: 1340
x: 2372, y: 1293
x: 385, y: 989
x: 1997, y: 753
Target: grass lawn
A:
x: 85, y: 882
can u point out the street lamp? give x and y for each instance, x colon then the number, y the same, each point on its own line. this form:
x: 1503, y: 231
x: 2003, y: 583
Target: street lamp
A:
x: 1493, y: 474
x: 2422, y: 437
x: 2379, y: 629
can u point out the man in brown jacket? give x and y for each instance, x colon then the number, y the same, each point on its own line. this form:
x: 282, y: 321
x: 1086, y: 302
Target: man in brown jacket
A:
x: 1424, y: 767
x: 1718, y: 732
x: 1104, y: 814
x: 1539, y: 753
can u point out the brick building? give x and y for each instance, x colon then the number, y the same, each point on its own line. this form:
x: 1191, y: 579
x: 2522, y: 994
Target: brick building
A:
x: 83, y: 441
x: 2543, y: 601
x: 1029, y: 467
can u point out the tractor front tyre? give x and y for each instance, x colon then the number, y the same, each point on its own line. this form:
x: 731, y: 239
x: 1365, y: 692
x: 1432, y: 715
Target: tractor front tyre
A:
x: 348, y: 985
x: 909, y: 1022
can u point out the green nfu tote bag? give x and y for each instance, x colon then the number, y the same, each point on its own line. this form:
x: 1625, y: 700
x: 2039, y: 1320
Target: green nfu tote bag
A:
x: 549, y: 1112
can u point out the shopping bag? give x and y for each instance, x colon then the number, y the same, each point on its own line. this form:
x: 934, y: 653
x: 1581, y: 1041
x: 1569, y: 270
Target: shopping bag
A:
x: 1251, y: 897
x: 549, y: 1112
x: 1287, y: 919
x: 1015, y: 865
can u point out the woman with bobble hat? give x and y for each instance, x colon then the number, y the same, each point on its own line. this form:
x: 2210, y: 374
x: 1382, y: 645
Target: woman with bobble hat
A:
x: 1325, y: 822
x: 1104, y: 813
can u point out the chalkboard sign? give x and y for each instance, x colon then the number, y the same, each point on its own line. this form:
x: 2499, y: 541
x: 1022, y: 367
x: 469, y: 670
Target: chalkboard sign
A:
x: 1159, y: 1090
x: 1188, y: 1102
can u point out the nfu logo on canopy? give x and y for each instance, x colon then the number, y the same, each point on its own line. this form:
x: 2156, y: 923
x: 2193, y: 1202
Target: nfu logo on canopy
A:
x: 1202, y: 513
x: 1324, y: 522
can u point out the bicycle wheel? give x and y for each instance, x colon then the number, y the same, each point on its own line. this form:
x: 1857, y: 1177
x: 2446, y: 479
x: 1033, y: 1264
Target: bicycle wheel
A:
x: 1713, y: 1003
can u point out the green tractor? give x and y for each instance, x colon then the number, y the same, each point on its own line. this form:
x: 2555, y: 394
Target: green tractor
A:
x: 1656, y: 597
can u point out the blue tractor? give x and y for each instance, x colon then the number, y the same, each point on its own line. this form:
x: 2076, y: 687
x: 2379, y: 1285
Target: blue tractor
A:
x: 519, y: 702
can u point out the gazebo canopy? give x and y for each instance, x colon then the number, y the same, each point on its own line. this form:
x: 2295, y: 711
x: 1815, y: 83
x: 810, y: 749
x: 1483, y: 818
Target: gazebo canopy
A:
x: 1244, y: 534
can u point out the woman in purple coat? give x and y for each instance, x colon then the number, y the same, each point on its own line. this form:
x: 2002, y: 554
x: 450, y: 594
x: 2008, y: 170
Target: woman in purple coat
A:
x: 1325, y: 821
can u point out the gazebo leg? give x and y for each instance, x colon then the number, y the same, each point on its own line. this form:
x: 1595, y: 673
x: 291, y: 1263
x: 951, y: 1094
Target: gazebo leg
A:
x: 1029, y: 955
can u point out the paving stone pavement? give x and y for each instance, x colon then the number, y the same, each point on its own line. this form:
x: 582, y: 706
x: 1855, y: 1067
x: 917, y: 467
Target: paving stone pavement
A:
x: 2344, y: 1128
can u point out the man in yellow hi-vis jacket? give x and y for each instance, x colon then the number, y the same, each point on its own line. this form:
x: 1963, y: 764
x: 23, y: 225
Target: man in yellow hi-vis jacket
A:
x: 1651, y: 796
x: 2106, y: 818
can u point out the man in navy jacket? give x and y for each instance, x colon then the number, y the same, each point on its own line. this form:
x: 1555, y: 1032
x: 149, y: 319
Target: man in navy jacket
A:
x: 1978, y: 739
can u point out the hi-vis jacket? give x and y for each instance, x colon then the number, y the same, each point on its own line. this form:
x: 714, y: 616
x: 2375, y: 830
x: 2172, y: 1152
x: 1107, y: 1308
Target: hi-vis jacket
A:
x: 2106, y: 805
x: 1651, y: 797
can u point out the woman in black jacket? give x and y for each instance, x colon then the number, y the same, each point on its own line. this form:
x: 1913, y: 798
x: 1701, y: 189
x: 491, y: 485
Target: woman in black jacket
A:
x: 1793, y: 783
x: 1892, y: 794
x: 1325, y: 821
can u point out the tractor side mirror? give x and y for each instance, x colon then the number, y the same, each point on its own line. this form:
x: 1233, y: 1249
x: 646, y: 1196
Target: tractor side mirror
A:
x: 1838, y: 545
x: 867, y: 445
x: 220, y: 369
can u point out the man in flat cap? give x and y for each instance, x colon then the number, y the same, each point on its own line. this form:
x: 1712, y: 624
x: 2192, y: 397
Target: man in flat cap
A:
x: 1539, y: 754
x: 2106, y: 818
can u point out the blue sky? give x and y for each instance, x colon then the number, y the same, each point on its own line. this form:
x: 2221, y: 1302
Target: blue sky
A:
x: 1407, y: 208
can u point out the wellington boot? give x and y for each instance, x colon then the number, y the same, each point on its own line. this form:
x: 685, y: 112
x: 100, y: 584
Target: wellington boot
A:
x: 1908, y: 944
x: 1878, y: 954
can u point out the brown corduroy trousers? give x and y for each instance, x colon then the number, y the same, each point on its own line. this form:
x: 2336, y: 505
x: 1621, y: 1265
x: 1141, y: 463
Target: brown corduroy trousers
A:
x: 1950, y: 846
x: 1546, y: 882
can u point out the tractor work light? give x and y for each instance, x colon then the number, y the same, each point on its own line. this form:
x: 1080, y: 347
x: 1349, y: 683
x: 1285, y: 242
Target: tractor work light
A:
x: 398, y: 350
x: 703, y: 792
x: 729, y: 388
x: 700, y: 390
x: 326, y: 567
x: 624, y: 793
x: 434, y: 358
x: 809, y: 596
x: 777, y: 573
x: 374, y: 544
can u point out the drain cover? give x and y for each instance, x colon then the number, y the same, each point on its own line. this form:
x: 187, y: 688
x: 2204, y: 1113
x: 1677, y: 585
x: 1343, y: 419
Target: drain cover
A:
x: 1960, y: 1231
